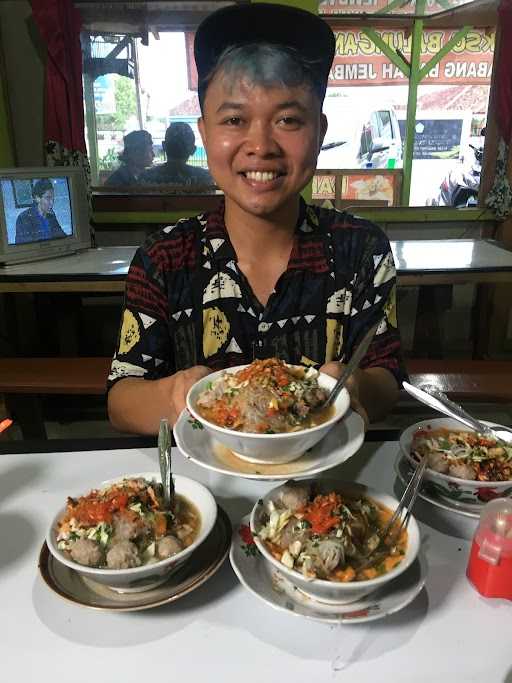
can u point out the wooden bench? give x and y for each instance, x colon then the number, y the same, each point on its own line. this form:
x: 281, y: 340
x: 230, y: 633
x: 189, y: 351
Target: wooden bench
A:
x: 465, y: 380
x: 462, y: 380
x: 54, y: 375
x: 23, y: 380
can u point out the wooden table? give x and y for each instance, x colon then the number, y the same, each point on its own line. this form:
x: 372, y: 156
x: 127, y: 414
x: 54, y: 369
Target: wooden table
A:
x: 220, y: 631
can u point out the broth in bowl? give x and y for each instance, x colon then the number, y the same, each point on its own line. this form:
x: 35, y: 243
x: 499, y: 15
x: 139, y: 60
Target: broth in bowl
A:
x: 266, y: 408
x: 325, y: 537
x: 126, y: 525
x: 265, y: 397
x: 463, y: 454
x: 462, y: 467
x: 331, y: 535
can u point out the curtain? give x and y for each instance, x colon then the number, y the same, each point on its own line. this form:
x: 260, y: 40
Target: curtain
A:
x: 500, y: 196
x: 59, y: 24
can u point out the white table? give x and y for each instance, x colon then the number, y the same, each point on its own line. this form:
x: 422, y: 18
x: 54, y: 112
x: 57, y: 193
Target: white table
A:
x: 418, y: 262
x: 221, y: 632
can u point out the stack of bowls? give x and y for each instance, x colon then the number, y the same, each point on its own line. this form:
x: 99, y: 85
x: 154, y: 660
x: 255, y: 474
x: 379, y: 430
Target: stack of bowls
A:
x: 471, y: 493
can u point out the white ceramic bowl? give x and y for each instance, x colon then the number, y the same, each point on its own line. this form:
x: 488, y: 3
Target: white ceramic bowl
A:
x: 333, y: 591
x: 138, y: 579
x: 454, y: 489
x: 270, y: 449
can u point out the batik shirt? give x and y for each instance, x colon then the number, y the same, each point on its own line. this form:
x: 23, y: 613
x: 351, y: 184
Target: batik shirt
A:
x: 187, y: 303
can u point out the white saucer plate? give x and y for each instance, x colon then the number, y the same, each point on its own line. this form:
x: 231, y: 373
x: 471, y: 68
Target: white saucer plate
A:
x: 341, y: 442
x: 269, y: 585
x: 202, y: 564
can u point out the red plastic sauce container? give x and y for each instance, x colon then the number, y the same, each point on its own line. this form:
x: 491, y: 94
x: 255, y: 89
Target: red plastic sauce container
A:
x: 490, y: 561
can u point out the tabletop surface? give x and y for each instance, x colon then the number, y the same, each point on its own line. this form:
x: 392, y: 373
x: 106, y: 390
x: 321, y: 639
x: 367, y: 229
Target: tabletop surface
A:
x: 411, y: 257
x: 220, y: 631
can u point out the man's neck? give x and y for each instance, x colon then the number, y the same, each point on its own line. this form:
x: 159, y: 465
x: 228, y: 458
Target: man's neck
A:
x: 252, y: 236
x: 134, y: 168
x: 176, y: 164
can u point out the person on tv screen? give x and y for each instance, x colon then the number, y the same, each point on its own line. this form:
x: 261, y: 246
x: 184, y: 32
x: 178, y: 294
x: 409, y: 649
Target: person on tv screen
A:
x: 265, y: 274
x: 39, y: 222
x: 136, y: 156
x: 179, y: 145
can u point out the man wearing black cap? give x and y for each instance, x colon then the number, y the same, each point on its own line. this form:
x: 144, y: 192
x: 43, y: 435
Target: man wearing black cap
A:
x: 265, y: 275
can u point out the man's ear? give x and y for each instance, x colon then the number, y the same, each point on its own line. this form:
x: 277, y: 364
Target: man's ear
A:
x: 323, y: 130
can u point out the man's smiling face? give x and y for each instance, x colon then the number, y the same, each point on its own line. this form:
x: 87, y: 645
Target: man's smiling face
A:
x: 262, y: 143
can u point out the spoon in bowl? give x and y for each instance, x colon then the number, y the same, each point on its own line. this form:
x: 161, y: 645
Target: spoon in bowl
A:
x: 433, y: 397
x: 164, y: 457
x: 352, y: 365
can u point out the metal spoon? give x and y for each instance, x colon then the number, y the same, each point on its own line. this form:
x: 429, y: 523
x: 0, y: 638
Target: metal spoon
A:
x: 164, y: 457
x: 352, y: 365
x: 433, y: 397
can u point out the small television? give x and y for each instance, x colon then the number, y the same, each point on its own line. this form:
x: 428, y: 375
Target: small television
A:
x: 43, y: 213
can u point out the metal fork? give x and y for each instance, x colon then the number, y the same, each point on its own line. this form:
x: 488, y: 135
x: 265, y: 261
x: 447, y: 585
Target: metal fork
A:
x: 391, y: 530
x: 403, y: 512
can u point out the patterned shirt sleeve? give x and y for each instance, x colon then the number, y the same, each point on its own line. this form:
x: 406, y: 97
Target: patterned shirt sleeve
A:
x: 374, y: 299
x: 143, y: 348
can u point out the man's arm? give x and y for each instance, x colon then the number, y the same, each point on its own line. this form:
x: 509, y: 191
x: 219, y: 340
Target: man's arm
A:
x: 137, y: 405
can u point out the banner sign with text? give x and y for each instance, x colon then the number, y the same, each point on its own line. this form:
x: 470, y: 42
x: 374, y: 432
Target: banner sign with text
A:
x: 327, y: 7
x: 358, y: 61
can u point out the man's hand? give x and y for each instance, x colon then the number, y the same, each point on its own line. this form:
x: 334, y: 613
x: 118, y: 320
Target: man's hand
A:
x: 334, y: 369
x: 174, y: 389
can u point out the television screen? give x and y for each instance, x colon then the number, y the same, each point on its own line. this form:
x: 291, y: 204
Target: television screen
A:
x: 36, y: 209
x: 43, y: 213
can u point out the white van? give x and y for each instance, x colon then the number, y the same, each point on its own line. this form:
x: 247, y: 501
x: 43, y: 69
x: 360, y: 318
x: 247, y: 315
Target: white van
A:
x: 359, y: 136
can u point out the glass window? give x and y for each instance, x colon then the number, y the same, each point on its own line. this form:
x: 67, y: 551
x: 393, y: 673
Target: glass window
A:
x: 128, y: 90
x: 452, y: 103
x: 141, y: 126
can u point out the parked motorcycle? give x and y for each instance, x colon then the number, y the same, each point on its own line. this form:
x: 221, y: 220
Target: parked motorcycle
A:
x: 460, y: 187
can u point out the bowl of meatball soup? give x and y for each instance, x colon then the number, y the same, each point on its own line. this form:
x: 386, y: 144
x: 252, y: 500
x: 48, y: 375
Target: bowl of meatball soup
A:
x: 267, y: 412
x: 326, y: 537
x: 463, y: 467
x: 122, y: 535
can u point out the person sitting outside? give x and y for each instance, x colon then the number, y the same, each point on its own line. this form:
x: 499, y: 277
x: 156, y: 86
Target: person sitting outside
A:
x: 179, y: 145
x: 264, y: 275
x: 39, y: 222
x: 136, y: 156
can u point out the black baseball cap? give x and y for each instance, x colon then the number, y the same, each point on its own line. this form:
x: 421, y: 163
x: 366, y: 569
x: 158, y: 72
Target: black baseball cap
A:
x: 238, y: 25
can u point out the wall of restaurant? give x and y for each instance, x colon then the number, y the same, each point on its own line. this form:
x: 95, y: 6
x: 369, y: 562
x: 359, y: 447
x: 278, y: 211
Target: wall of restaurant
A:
x: 24, y: 70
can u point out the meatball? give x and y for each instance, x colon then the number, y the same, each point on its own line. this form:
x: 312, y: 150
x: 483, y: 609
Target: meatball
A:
x: 461, y: 470
x: 123, y: 555
x: 86, y: 551
x: 330, y: 553
x: 128, y: 527
x: 315, y: 396
x: 294, y: 495
x: 438, y: 462
x: 167, y: 546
